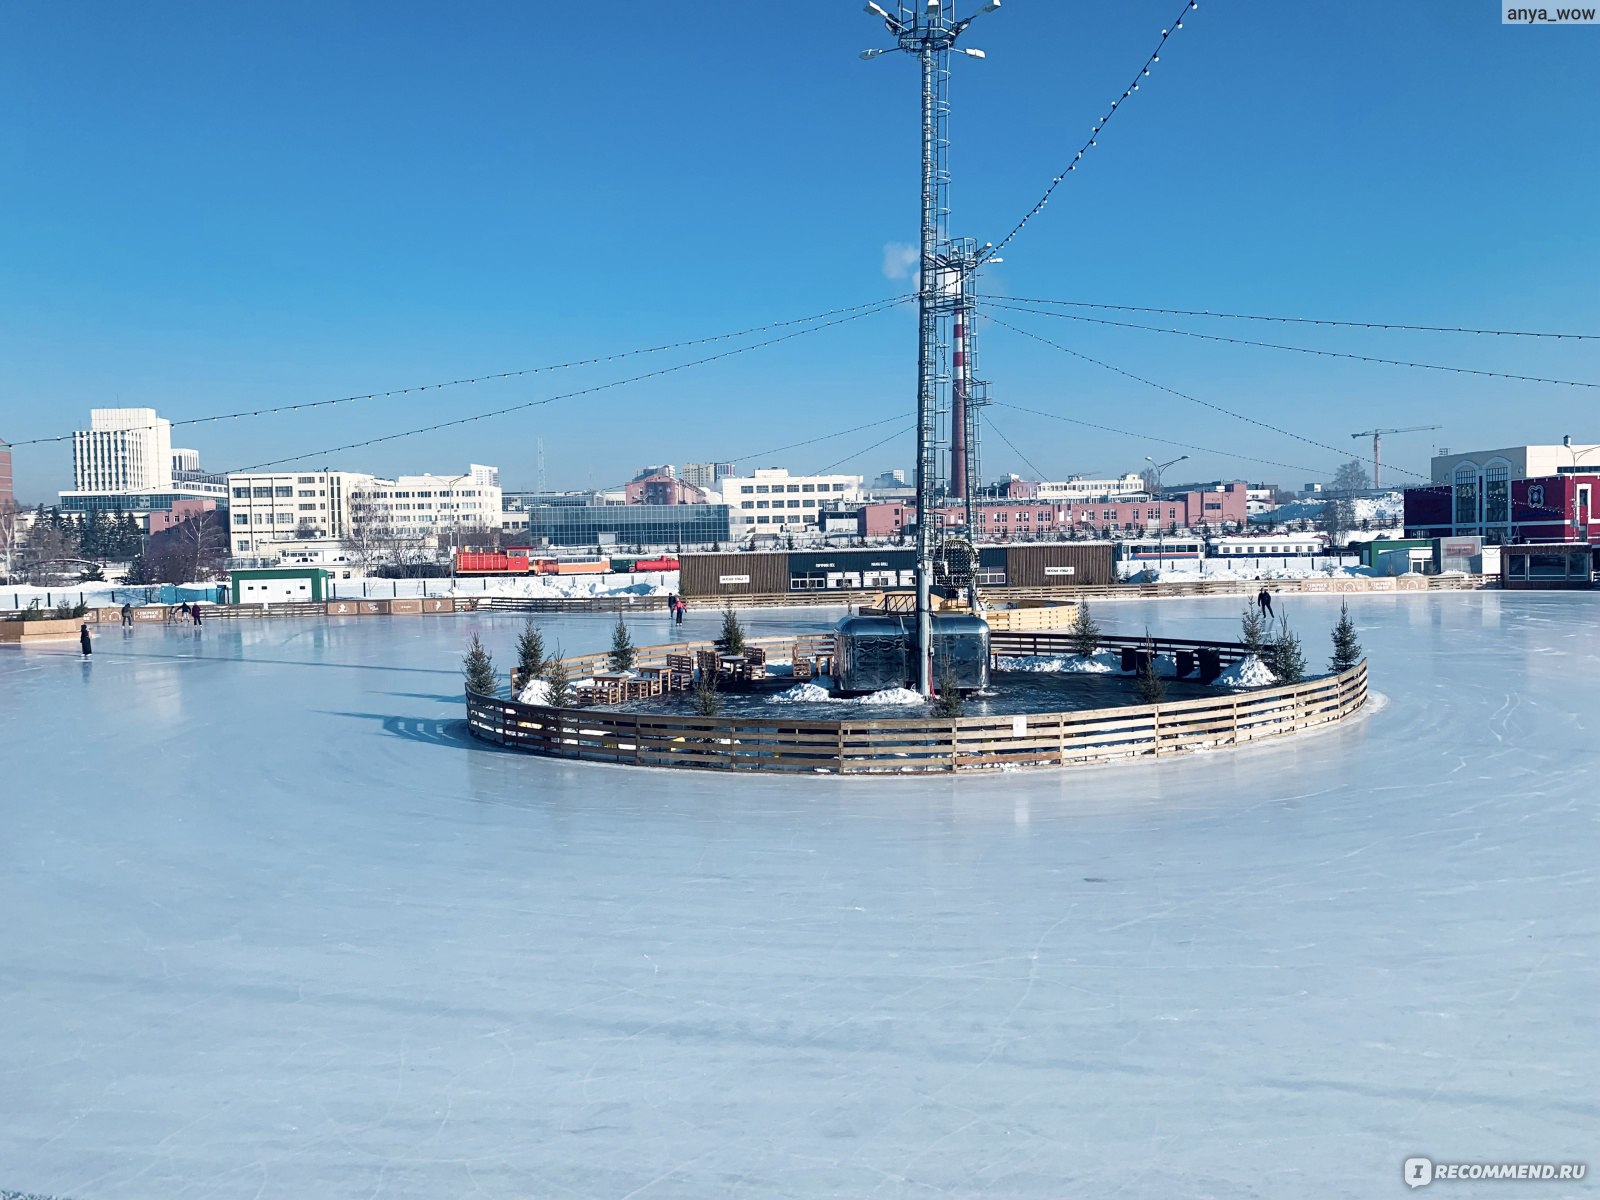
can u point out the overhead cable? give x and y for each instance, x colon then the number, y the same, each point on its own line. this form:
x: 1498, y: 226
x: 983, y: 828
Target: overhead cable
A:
x: 1233, y: 316
x: 1215, y: 337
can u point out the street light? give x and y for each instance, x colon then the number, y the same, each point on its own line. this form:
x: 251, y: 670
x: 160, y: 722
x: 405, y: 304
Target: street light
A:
x: 1580, y: 531
x: 1161, y: 544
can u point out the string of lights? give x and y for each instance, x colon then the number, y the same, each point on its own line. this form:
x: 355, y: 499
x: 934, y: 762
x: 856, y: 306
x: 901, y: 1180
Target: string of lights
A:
x: 901, y: 432
x: 1000, y: 433
x: 866, y: 309
x: 1227, y: 412
x: 1232, y: 341
x: 588, y: 391
x: 1233, y: 316
x: 1150, y: 437
x: 1091, y: 142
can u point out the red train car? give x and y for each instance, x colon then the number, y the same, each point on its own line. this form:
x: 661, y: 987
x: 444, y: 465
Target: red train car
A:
x: 656, y: 564
x: 475, y: 562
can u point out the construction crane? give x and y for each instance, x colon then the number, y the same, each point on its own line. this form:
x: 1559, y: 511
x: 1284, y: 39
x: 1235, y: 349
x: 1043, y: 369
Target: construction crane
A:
x: 1377, y: 445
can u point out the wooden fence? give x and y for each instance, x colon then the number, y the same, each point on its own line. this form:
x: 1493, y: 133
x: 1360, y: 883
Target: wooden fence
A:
x: 919, y: 745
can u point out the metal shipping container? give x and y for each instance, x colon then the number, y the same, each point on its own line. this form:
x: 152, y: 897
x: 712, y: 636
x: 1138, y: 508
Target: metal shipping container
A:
x: 713, y: 576
x: 1059, y: 564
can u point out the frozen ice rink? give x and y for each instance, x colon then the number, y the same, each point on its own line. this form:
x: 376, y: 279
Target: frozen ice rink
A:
x: 274, y: 928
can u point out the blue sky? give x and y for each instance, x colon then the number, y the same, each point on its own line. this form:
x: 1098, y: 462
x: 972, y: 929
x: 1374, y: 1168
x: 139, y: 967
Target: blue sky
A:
x: 214, y: 207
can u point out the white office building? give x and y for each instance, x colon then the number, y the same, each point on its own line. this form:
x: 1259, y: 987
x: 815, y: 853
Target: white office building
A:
x: 1076, y: 487
x: 125, y: 462
x: 123, y: 450
x: 774, y: 498
x: 270, y: 513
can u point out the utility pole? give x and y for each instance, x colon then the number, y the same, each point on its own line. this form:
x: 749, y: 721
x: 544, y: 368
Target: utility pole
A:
x: 927, y: 30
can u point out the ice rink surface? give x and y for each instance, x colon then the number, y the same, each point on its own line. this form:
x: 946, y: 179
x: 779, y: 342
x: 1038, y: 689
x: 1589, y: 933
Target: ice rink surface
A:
x: 274, y: 928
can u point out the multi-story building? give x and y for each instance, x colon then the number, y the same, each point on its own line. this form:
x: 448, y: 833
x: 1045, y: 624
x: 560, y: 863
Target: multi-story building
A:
x: 773, y: 497
x: 266, y: 508
x: 1218, y: 507
x: 661, y: 485
x: 124, y: 462
x: 1512, y: 494
x: 269, y: 509
x: 707, y: 475
x: 606, y: 525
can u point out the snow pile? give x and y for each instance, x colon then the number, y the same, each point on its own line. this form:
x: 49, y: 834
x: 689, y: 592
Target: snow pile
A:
x: 892, y: 696
x: 537, y: 692
x: 801, y: 693
x: 1099, y: 664
x: 1248, y: 672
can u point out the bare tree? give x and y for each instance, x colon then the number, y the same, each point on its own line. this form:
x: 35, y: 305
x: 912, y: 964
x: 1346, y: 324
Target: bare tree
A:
x: 201, y: 542
x: 371, y: 536
x: 10, y: 537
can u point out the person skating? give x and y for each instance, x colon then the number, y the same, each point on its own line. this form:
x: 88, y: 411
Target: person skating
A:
x: 672, y: 605
x: 127, y: 616
x: 678, y: 610
x: 1265, y: 602
x: 83, y: 639
x: 195, y: 613
x: 185, y: 609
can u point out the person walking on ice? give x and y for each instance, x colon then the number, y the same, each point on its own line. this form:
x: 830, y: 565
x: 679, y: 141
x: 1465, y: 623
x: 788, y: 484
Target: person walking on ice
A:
x: 83, y: 639
x: 1264, y: 600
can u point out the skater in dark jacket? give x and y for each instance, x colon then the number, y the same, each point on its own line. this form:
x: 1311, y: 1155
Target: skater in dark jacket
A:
x: 83, y: 640
x: 1265, y: 601
x: 195, y: 612
x: 127, y: 616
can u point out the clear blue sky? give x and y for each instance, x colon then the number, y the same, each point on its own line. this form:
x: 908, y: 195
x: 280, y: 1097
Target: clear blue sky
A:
x: 209, y: 207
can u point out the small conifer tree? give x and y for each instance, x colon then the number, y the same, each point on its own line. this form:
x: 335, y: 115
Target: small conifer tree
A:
x: 707, y: 701
x: 1346, y: 649
x: 1253, y: 630
x: 1147, y: 683
x: 478, y: 668
x: 948, y: 702
x: 622, y: 650
x: 530, y: 653
x: 732, y: 639
x: 1283, y: 655
x: 560, y: 681
x: 1085, y: 632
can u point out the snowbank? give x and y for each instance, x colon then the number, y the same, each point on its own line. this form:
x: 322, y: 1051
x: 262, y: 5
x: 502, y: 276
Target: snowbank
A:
x: 1100, y: 664
x: 801, y: 693
x: 891, y: 696
x: 1248, y: 672
x: 537, y: 692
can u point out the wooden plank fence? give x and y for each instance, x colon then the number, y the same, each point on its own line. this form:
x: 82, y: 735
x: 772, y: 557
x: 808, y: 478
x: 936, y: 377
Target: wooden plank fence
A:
x: 918, y: 745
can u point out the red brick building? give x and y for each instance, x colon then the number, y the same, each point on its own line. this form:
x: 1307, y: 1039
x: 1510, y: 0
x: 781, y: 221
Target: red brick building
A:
x: 661, y: 485
x: 1219, y: 509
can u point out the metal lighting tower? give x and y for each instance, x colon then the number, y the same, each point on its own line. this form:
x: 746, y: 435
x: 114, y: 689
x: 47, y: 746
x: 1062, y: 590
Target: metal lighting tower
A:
x: 929, y: 30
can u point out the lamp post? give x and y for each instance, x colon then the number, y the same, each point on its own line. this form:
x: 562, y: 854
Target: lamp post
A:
x: 455, y: 518
x: 1161, y: 544
x: 1580, y: 530
x: 929, y: 30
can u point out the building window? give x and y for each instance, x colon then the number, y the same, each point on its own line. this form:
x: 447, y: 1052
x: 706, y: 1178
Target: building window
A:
x: 809, y: 487
x: 241, y: 518
x: 747, y: 504
x: 745, y: 491
x: 838, y: 487
x: 261, y: 493
x: 306, y: 479
x: 241, y: 493
x: 1466, y: 495
x: 1497, y: 494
